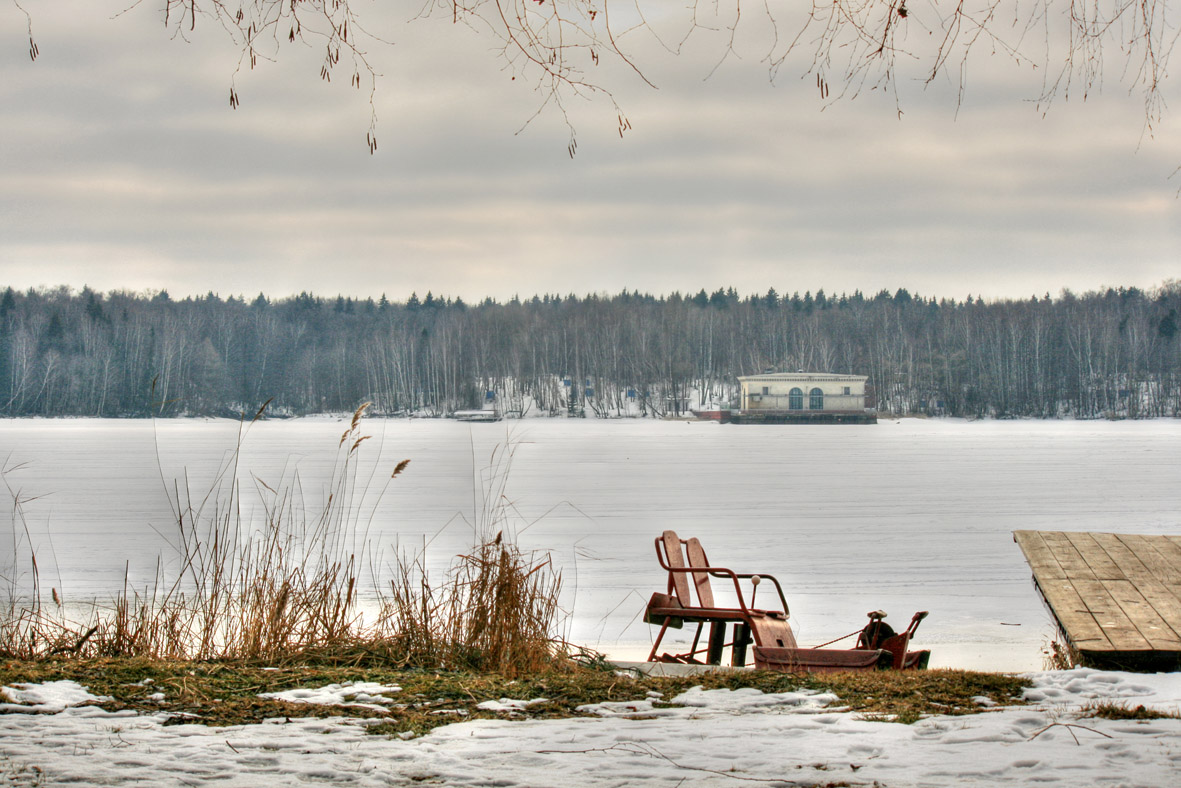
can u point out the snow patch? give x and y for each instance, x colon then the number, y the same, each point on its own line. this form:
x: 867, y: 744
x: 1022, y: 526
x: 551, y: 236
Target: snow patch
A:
x: 362, y: 694
x: 48, y: 698
x: 509, y: 705
x: 711, y: 737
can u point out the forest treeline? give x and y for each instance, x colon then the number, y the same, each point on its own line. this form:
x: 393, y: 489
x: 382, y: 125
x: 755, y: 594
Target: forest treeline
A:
x: 65, y: 353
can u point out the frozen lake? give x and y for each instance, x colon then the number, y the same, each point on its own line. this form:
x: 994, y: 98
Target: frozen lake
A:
x: 905, y: 515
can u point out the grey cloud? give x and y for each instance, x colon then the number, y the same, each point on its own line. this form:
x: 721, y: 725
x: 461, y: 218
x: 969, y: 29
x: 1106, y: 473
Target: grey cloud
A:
x: 120, y: 145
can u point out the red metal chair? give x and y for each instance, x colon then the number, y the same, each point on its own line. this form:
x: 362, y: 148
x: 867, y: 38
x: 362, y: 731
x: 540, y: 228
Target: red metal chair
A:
x: 775, y: 646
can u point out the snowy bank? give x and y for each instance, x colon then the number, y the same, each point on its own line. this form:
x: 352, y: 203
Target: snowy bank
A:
x: 713, y: 738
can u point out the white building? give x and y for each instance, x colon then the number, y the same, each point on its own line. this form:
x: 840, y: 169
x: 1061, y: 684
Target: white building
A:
x: 803, y: 393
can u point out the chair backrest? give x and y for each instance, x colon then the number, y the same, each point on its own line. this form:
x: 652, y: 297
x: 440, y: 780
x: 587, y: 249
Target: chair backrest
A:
x: 679, y: 581
x: 696, y: 553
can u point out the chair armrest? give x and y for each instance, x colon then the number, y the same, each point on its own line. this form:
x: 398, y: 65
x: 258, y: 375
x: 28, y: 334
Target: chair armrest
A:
x: 734, y: 577
x: 778, y: 588
x: 716, y: 572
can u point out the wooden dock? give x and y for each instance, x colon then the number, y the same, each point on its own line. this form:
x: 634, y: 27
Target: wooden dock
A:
x: 1116, y: 597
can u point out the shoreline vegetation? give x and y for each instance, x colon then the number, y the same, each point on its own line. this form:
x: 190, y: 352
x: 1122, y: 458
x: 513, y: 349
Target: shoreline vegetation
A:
x: 281, y: 581
x: 1114, y: 353
x: 230, y: 692
x: 259, y: 608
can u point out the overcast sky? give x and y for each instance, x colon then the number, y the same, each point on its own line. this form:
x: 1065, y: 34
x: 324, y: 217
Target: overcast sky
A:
x: 122, y: 166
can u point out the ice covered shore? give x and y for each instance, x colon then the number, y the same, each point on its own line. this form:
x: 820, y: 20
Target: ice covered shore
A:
x: 713, y: 738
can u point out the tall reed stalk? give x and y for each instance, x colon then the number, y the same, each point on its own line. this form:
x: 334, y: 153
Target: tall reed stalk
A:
x: 286, y: 585
x: 497, y: 610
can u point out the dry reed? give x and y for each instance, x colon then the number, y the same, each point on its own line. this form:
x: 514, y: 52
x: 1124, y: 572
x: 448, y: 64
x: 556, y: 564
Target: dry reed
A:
x: 288, y: 587
x: 496, y: 612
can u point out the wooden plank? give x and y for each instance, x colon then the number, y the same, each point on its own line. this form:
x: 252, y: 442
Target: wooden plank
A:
x: 1075, y: 620
x: 1165, y: 604
x: 1144, y: 617
x: 1161, y: 560
x: 1161, y: 556
x: 1144, y: 567
x: 696, y: 553
x: 1067, y: 555
x: 1116, y: 624
x: 1111, y: 593
x: 1096, y: 558
x: 1038, y: 555
x: 1121, y: 553
x: 676, y: 560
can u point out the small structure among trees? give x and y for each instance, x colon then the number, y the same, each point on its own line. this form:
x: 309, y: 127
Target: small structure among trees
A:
x: 803, y: 397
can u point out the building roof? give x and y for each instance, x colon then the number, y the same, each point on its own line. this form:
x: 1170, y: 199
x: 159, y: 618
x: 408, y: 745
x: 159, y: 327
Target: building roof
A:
x: 810, y: 377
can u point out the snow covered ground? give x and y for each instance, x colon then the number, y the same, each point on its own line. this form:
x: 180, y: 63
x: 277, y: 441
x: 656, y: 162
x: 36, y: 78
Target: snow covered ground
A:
x: 713, y: 738
x: 904, y: 515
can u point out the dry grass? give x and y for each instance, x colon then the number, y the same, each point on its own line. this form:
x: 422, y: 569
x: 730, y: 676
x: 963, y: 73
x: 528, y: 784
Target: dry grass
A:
x: 227, y: 692
x: 1109, y: 710
x: 263, y: 607
x: 18, y: 775
x: 1058, y: 655
x: 496, y: 612
x: 286, y: 588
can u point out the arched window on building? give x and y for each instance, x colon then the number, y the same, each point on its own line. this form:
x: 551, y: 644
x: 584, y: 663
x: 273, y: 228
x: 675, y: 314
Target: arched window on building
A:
x: 795, y: 399
x: 816, y: 399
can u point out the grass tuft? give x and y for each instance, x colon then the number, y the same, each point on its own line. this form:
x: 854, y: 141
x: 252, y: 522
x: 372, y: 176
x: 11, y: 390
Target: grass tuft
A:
x: 283, y: 588
x: 1109, y: 710
x: 19, y: 775
x: 227, y: 692
x: 496, y: 612
x: 1057, y: 655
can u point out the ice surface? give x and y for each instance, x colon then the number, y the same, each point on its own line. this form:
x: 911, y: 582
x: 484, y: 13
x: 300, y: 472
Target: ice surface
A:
x: 903, y: 515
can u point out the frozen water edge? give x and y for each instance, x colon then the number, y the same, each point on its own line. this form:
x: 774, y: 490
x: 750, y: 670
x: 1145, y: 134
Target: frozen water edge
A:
x: 716, y: 738
x: 904, y: 515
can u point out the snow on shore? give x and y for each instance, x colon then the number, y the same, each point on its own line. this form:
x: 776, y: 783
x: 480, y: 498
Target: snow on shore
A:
x: 716, y: 738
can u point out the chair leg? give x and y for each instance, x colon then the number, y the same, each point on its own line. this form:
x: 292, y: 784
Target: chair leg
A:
x: 659, y: 637
x: 696, y: 639
x: 717, y: 641
x: 742, y: 639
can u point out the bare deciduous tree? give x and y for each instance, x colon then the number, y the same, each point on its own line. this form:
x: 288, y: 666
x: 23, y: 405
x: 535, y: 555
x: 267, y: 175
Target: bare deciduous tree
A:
x: 849, y: 45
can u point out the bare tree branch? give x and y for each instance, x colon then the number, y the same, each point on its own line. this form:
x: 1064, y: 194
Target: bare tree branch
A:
x: 854, y: 45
